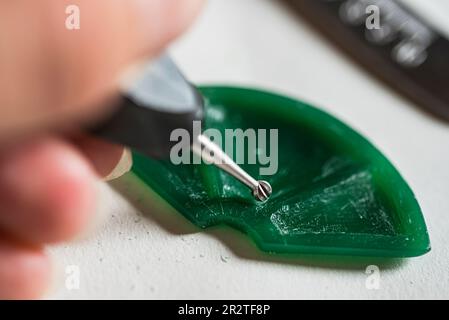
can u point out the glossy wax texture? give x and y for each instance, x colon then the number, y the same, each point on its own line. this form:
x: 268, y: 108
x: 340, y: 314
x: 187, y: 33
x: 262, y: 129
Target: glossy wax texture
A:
x: 334, y: 193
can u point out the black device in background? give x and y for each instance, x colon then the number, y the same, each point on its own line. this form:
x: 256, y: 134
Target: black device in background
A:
x: 405, y: 52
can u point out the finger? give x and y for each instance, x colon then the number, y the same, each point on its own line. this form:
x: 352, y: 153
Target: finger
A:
x: 51, y: 74
x: 109, y: 160
x: 47, y: 190
x: 24, y: 272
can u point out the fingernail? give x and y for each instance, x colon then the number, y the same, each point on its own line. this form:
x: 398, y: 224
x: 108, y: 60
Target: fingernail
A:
x: 56, y: 277
x: 123, y: 166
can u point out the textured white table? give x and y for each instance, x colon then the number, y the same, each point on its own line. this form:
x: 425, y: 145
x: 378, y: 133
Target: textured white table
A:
x: 144, y: 251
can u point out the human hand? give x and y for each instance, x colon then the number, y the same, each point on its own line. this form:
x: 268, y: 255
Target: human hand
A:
x: 50, y: 79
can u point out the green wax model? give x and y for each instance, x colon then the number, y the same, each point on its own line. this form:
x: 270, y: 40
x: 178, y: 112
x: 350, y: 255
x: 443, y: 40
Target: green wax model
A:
x: 333, y: 193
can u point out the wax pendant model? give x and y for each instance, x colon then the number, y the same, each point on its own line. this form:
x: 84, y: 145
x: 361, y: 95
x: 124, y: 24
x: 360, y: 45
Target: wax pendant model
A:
x: 334, y: 193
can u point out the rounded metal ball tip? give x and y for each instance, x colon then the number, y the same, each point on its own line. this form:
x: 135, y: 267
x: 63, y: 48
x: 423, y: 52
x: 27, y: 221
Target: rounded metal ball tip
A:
x: 263, y: 190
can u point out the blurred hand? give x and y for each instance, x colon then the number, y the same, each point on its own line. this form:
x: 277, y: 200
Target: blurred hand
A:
x: 50, y: 79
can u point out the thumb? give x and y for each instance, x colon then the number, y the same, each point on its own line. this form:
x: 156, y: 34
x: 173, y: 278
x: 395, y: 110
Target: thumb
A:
x: 53, y: 75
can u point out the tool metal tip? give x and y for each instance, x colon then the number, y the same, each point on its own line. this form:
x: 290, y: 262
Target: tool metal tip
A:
x: 263, y: 190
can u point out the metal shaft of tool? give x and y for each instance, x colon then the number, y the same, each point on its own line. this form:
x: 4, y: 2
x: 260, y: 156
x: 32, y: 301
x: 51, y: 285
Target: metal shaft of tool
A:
x: 212, y: 153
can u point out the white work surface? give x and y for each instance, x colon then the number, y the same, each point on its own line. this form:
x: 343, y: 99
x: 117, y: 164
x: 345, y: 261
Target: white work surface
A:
x: 146, y: 251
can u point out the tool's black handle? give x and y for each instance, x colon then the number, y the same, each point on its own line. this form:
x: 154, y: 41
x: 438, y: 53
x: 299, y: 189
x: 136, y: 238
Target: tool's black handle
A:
x: 158, y: 101
x: 144, y: 130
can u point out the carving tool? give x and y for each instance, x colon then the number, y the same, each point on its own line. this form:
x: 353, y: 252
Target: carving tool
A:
x: 157, y: 101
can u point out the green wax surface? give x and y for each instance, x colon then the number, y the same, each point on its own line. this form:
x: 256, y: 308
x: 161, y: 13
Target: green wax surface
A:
x: 333, y: 193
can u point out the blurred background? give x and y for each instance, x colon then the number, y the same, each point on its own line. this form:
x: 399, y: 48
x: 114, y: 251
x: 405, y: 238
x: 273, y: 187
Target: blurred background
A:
x: 143, y: 250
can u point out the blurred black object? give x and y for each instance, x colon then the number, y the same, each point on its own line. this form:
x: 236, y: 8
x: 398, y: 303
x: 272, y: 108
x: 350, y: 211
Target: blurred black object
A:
x: 405, y: 52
